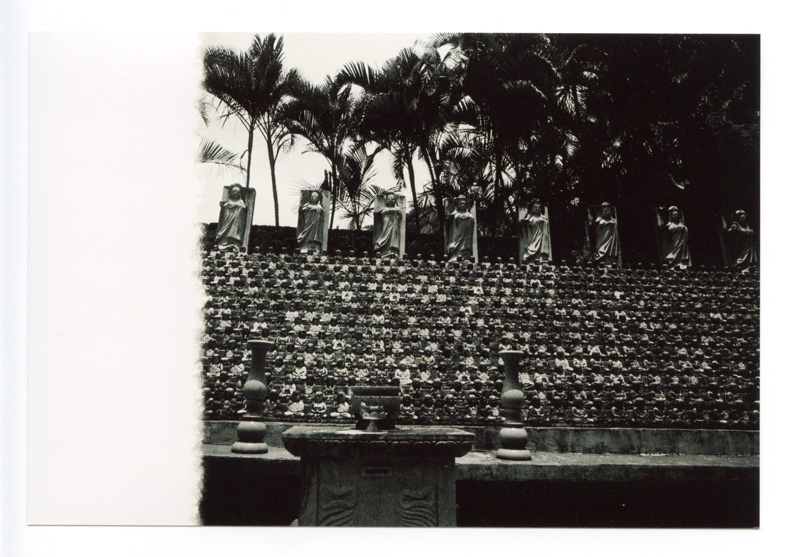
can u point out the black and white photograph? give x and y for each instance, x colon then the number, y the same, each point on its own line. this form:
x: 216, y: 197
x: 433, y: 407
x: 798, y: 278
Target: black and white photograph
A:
x: 503, y: 281
x: 342, y: 387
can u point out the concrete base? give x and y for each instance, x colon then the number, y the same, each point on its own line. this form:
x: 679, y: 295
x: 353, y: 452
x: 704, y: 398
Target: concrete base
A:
x: 514, y: 454
x: 249, y: 448
x: 404, y: 477
x: 569, y: 489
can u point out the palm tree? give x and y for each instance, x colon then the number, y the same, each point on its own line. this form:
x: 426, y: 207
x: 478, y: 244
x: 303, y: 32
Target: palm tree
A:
x: 211, y: 152
x: 388, y: 112
x: 277, y: 86
x: 325, y: 116
x: 355, y: 172
x: 508, y: 85
x: 229, y: 78
x: 253, y: 87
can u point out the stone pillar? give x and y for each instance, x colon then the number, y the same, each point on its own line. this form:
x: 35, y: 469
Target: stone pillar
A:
x: 252, y: 429
x: 513, y: 437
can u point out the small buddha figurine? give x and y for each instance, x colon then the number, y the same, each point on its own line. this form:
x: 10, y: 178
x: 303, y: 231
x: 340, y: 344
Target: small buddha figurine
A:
x: 300, y: 372
x: 578, y: 412
x: 318, y: 406
x: 407, y: 411
x: 494, y: 408
x: 342, y: 407
x: 296, y: 406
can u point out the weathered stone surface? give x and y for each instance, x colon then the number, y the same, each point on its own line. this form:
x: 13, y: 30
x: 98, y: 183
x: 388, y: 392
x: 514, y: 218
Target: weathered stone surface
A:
x: 513, y: 437
x: 338, y: 441
x: 252, y: 430
x: 313, y: 217
x: 389, y: 228
x: 403, y: 477
x: 235, y: 216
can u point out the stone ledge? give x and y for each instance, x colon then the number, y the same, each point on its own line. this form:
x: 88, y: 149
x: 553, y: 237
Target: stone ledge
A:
x: 341, y: 441
x: 623, y: 441
x: 545, y: 466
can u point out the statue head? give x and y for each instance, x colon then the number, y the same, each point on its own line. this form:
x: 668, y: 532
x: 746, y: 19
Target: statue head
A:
x: 740, y: 217
x: 235, y: 192
x: 461, y: 205
x: 390, y: 200
x: 536, y: 207
x: 314, y: 197
x: 605, y: 212
x: 674, y: 214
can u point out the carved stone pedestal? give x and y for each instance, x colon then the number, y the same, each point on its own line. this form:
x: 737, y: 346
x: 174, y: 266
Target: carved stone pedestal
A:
x: 403, y: 477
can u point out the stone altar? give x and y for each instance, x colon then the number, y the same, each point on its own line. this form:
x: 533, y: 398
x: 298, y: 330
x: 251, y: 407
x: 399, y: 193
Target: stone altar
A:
x: 403, y: 477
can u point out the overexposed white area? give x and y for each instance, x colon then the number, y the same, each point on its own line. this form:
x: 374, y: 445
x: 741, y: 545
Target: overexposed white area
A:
x: 99, y: 410
x: 114, y: 303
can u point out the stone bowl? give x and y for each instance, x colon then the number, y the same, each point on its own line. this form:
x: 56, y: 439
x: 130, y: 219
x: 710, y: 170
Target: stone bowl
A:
x: 387, y: 398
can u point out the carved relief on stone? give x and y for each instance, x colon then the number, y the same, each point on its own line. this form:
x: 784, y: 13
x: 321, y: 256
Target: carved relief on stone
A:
x: 418, y: 507
x: 337, y: 506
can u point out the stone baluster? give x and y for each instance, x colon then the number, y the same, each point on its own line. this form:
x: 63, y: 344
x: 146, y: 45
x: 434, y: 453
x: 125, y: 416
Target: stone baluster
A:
x: 252, y: 429
x: 513, y: 436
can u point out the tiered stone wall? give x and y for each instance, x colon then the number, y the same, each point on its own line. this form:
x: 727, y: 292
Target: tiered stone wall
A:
x: 607, y: 347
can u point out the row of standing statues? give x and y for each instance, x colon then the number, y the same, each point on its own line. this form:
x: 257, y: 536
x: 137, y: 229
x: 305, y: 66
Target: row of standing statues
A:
x: 739, y: 241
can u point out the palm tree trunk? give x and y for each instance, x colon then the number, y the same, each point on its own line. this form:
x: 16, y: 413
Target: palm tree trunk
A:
x: 437, y: 192
x: 249, y: 151
x: 498, y: 197
x: 271, y: 157
x: 356, y: 214
x: 410, y: 164
x: 334, y: 190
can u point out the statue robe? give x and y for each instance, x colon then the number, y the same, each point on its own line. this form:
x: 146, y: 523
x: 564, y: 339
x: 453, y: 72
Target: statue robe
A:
x: 460, y: 231
x: 311, y: 227
x: 606, y: 245
x: 742, y: 246
x: 388, y: 221
x: 535, y: 238
x: 676, y: 253
x: 232, y: 223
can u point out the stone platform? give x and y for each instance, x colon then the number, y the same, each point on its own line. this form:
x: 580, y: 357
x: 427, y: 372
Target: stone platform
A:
x: 483, y: 466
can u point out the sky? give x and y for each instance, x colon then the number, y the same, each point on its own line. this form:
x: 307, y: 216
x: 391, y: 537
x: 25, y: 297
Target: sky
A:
x: 315, y: 55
